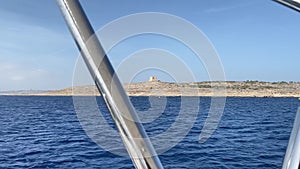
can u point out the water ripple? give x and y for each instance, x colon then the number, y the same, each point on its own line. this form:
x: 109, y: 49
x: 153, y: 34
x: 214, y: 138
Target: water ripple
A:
x: 44, y: 132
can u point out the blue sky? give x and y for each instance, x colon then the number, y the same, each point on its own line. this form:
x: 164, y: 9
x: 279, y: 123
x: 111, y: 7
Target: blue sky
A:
x: 256, y: 40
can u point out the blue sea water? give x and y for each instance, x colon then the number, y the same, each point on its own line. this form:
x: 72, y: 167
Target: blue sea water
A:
x: 44, y: 132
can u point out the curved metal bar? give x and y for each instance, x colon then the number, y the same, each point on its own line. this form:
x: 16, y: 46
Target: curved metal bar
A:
x: 123, y: 113
x: 292, y: 155
x: 293, y: 4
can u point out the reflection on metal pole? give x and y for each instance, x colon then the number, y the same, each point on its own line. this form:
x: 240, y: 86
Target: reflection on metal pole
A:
x: 293, y: 4
x: 123, y: 113
x: 292, y: 155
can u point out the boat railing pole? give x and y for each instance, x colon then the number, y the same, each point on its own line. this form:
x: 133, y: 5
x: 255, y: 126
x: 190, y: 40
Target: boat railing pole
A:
x: 293, y: 4
x: 123, y: 113
x: 292, y: 155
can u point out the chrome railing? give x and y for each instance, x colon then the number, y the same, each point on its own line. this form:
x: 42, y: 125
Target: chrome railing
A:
x: 292, y: 155
x: 123, y: 113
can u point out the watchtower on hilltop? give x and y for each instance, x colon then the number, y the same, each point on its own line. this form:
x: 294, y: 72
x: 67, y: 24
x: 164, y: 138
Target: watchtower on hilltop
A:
x: 153, y: 79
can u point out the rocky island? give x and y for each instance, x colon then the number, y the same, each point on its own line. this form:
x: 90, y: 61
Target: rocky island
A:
x: 154, y: 87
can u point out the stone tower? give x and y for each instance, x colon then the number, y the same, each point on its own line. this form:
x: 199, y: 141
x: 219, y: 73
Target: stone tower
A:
x: 153, y: 79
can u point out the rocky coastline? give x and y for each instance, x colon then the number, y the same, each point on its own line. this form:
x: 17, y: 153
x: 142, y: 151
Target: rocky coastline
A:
x: 158, y: 88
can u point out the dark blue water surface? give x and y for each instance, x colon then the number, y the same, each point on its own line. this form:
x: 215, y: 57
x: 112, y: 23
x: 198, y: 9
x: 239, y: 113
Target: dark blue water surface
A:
x: 44, y: 132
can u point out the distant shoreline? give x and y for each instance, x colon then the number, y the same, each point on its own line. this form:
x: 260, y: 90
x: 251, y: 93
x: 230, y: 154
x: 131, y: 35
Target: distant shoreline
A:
x: 149, y: 96
x: 157, y: 88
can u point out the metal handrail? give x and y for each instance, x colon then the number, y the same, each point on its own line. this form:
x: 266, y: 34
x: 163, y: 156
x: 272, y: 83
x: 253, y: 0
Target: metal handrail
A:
x: 293, y: 4
x: 292, y: 155
x: 123, y: 113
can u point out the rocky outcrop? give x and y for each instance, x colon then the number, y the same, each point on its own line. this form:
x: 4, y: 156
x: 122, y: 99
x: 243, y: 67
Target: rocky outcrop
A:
x: 157, y: 88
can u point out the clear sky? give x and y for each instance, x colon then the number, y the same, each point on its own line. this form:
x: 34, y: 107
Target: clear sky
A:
x: 255, y: 39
